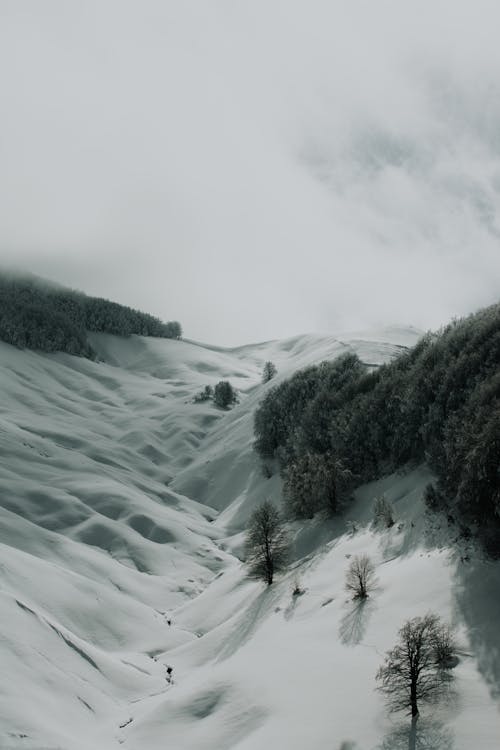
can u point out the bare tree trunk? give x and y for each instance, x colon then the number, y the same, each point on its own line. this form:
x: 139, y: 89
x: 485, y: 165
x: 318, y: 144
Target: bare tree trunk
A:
x: 413, y: 698
x: 270, y: 572
x: 362, y: 588
x: 412, y: 736
x: 269, y: 565
x: 332, y: 494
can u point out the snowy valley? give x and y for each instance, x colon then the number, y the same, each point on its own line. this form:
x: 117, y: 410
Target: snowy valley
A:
x: 123, y: 509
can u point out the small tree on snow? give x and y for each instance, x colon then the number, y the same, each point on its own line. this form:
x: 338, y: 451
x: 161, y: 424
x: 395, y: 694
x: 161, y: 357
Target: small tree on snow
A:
x: 266, y: 543
x: 224, y: 394
x: 360, y: 576
x: 204, y: 395
x: 269, y: 372
x: 383, y: 512
x: 412, y: 672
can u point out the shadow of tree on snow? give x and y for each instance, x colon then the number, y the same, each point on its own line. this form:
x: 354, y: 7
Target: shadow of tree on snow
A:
x: 355, y: 621
x: 423, y: 734
x: 478, y: 603
x: 290, y: 610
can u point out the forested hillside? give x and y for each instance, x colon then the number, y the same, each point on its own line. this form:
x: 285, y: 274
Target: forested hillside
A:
x: 35, y: 314
x: 337, y: 425
x: 130, y: 620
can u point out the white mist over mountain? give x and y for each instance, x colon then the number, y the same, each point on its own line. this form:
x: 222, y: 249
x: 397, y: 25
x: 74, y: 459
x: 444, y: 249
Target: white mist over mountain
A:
x: 256, y: 169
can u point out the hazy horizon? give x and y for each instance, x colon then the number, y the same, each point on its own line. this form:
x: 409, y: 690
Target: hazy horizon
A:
x: 256, y: 170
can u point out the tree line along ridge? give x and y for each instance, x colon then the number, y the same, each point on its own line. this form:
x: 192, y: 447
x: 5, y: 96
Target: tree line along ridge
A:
x: 38, y: 315
x: 337, y: 425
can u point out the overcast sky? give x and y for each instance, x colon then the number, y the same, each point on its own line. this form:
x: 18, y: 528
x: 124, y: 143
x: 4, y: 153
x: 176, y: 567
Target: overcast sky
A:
x: 255, y: 169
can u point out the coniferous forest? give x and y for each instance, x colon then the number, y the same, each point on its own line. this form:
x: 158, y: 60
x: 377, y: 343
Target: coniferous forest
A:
x: 337, y: 425
x: 35, y: 314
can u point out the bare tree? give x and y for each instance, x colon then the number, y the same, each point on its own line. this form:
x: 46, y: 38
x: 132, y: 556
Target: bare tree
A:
x: 297, y: 589
x: 412, y: 672
x: 267, y: 544
x: 383, y: 512
x: 360, y: 576
x: 445, y: 647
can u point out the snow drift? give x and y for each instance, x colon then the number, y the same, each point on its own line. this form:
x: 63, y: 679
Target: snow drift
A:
x: 123, y: 504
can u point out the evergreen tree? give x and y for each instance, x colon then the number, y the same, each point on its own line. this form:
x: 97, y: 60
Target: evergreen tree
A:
x: 205, y: 394
x: 224, y: 394
x: 269, y: 372
x: 314, y: 482
x: 36, y: 314
x: 438, y: 403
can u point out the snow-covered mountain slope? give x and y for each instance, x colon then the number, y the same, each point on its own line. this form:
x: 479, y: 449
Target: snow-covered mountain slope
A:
x: 122, y: 504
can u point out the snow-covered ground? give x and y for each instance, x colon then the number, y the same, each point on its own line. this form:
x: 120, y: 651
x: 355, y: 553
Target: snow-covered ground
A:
x: 122, y: 509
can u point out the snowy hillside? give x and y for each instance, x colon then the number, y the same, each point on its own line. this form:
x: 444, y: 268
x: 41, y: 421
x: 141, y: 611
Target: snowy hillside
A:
x: 123, y: 504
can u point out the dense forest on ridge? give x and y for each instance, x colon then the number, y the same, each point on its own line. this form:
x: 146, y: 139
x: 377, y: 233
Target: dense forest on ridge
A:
x: 339, y: 424
x: 35, y: 314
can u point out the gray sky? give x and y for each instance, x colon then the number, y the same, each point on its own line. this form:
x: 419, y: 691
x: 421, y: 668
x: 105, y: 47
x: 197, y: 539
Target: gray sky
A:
x: 257, y: 168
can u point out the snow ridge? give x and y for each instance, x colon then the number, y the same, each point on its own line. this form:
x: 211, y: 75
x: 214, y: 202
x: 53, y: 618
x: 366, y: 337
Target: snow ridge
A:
x: 122, y: 509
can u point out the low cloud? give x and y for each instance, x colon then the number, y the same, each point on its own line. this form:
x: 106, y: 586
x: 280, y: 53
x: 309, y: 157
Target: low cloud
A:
x: 256, y: 169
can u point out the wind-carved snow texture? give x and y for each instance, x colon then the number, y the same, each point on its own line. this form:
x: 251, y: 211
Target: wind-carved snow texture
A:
x: 123, y: 505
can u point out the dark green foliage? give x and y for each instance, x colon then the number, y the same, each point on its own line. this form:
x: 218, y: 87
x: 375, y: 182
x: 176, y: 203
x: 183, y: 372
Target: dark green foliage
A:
x: 281, y: 411
x: 291, y: 404
x: 267, y: 544
x: 224, y: 394
x: 383, y: 512
x: 479, y: 488
x: 489, y: 536
x: 438, y: 402
x: 269, y: 372
x: 205, y: 394
x: 313, y: 482
x: 30, y: 327
x: 37, y: 315
x: 434, y: 499
x: 172, y: 329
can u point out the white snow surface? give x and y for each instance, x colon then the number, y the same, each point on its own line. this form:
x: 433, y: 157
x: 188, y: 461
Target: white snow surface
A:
x: 123, y: 506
